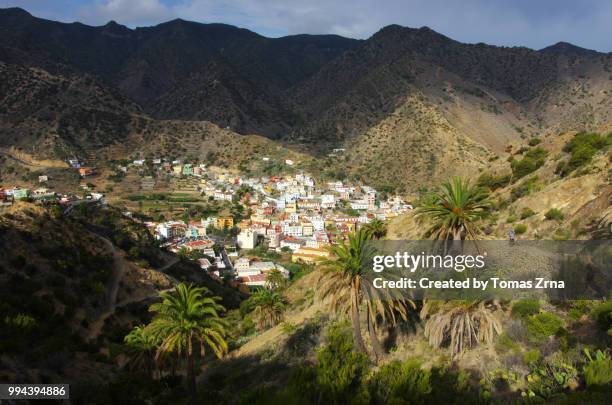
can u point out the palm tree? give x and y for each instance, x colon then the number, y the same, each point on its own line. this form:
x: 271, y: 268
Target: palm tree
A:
x: 453, y: 209
x: 269, y: 308
x: 377, y: 229
x: 186, y: 318
x: 141, y: 347
x: 347, y: 286
x: 275, y: 279
x: 460, y: 324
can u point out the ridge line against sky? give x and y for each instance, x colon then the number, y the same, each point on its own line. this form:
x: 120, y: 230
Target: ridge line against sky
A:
x: 535, y: 24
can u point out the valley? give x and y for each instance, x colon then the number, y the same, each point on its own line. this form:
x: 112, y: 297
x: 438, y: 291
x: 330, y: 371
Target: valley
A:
x: 189, y: 213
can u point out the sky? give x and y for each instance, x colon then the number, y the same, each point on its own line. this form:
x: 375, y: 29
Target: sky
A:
x: 531, y: 23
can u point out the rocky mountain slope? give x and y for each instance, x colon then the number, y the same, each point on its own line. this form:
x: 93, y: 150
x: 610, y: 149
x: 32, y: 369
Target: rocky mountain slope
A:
x: 582, y: 197
x: 409, y: 105
x: 178, y: 69
x: 63, y: 115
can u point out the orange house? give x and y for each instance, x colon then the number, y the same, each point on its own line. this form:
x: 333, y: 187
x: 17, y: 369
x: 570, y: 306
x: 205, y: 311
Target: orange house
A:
x: 86, y: 171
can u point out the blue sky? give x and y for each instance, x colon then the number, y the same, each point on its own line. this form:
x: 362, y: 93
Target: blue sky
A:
x: 533, y: 23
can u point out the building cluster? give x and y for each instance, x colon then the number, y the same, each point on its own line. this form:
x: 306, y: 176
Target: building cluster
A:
x: 290, y: 214
x: 9, y: 195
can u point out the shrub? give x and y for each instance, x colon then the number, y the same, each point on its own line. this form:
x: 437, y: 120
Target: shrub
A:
x: 531, y: 161
x: 602, y: 314
x: 598, y: 369
x: 511, y: 219
x: 582, y: 148
x: 534, y: 141
x: 531, y: 356
x: 401, y: 383
x: 526, y: 307
x: 506, y: 343
x: 561, y: 234
x: 528, y: 186
x: 526, y: 213
x: 541, y: 326
x: 520, y: 229
x: 494, y: 182
x: 549, y: 378
x: 340, y: 369
x: 554, y: 214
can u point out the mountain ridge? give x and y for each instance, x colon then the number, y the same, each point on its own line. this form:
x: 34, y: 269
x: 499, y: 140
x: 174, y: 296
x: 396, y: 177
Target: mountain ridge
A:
x: 318, y: 92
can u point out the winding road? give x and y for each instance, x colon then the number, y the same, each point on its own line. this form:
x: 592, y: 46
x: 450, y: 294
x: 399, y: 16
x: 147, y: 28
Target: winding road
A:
x: 111, y: 303
x: 95, y: 327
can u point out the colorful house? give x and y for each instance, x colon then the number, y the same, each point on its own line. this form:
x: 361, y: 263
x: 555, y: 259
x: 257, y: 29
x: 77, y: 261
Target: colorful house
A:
x: 86, y: 171
x: 225, y: 222
x: 21, y: 193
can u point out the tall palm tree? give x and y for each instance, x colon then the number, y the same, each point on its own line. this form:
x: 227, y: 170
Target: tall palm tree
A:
x: 269, y: 308
x: 141, y: 347
x: 275, y: 279
x: 346, y: 284
x: 453, y: 209
x: 187, y: 318
x: 460, y: 324
x: 452, y: 212
x: 377, y: 229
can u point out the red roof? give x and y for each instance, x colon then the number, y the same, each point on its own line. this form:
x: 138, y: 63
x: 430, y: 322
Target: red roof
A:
x: 254, y: 278
x: 198, y: 243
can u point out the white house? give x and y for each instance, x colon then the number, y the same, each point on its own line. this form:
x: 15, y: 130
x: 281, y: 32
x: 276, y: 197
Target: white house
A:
x: 247, y: 239
x: 359, y: 205
x: 292, y: 243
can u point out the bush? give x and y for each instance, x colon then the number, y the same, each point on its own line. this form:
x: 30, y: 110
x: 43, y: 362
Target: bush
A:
x: 561, y: 234
x: 511, y: 219
x: 541, y: 326
x: 340, y: 369
x: 524, y: 308
x: 602, y: 314
x: 401, y: 383
x: 531, y: 161
x: 506, y: 343
x: 526, y: 213
x: 494, y: 182
x: 531, y: 356
x: 554, y: 214
x: 520, y: 229
x: 528, y: 186
x: 582, y: 148
x: 534, y: 141
x: 598, y: 369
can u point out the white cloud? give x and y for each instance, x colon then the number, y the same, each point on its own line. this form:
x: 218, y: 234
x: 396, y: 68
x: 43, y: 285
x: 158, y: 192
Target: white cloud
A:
x: 519, y: 22
x: 129, y: 12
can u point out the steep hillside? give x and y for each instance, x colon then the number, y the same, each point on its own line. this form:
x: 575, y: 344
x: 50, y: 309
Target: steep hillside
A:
x: 53, y: 115
x: 67, y: 302
x: 566, y: 196
x: 177, y: 62
x: 494, y: 96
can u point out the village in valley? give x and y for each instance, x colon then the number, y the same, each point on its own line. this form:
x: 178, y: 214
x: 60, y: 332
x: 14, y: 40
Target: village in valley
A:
x: 236, y: 226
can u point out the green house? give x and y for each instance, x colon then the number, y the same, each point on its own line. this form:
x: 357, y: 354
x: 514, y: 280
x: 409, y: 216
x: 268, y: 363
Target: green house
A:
x: 21, y: 193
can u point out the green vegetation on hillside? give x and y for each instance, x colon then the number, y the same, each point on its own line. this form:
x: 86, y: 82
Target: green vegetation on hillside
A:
x: 532, y: 160
x: 582, y: 147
